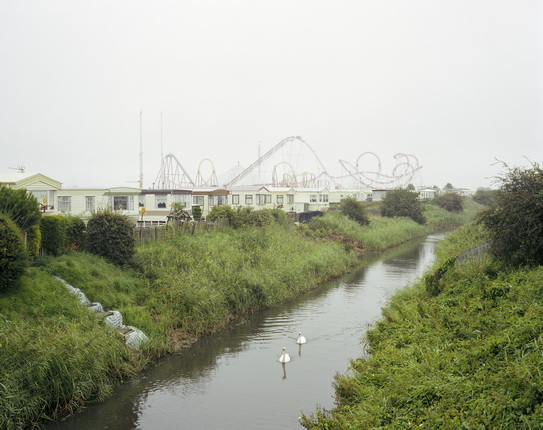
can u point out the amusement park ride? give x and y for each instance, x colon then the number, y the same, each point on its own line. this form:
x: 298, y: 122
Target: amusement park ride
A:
x: 293, y: 163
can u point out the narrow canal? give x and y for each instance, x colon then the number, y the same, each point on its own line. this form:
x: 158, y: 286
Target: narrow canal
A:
x: 233, y: 380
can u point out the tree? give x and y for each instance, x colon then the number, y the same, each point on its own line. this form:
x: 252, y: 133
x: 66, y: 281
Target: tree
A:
x: 400, y: 202
x: 515, y: 219
x: 451, y: 202
x: 355, y: 210
x: 410, y: 187
x: 448, y: 186
x: 13, y: 258
x: 22, y: 208
x: 111, y: 235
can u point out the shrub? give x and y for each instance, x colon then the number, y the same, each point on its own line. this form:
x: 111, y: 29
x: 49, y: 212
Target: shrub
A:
x: 33, y: 240
x: 401, y: 202
x: 515, y: 219
x: 196, y: 213
x: 111, y: 235
x: 75, y: 232
x: 281, y: 217
x: 355, y: 210
x: 13, y: 259
x: 451, y: 202
x: 21, y: 207
x: 217, y: 212
x: 53, y: 231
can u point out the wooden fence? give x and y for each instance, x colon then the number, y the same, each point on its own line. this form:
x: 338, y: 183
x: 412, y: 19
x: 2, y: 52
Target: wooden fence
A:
x: 165, y: 231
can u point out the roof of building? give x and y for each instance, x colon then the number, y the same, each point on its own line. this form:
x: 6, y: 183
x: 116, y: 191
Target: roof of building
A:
x: 25, y: 180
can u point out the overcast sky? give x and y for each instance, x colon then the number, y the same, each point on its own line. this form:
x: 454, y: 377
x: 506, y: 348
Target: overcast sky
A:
x: 456, y: 83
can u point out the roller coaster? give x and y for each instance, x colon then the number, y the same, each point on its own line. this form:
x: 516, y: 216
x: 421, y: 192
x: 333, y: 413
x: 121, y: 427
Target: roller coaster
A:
x: 294, y: 163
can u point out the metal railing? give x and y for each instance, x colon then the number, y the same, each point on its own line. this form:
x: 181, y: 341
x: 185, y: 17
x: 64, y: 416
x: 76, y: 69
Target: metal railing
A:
x: 475, y: 254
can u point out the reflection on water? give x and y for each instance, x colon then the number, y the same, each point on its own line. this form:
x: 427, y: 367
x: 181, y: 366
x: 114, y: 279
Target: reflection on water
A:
x: 234, y: 379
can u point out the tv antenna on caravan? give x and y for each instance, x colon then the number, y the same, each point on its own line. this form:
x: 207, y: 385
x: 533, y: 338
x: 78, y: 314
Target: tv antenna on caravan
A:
x: 20, y: 169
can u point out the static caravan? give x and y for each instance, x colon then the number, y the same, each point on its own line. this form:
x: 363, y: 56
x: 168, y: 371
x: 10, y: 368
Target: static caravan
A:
x: 155, y: 205
x: 40, y: 186
x: 206, y: 198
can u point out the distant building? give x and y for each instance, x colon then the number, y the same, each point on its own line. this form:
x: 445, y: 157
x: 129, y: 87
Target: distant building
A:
x: 152, y: 206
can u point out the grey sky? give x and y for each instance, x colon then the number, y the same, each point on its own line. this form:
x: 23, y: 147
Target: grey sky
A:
x: 455, y: 83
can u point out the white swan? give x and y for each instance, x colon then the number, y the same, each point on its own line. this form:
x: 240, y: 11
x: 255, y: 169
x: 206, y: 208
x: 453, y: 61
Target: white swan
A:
x: 285, y: 358
x: 301, y: 339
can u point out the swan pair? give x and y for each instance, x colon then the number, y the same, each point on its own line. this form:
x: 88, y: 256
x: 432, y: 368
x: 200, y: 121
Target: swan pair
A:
x: 285, y: 358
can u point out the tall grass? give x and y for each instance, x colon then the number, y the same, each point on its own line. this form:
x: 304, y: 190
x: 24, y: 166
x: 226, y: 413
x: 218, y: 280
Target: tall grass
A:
x: 53, y: 353
x: 203, y: 281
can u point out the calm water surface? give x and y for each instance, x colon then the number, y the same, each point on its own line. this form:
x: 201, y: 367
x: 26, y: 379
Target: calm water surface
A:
x: 233, y: 380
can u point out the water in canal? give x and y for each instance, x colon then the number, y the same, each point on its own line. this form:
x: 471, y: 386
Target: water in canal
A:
x: 233, y: 380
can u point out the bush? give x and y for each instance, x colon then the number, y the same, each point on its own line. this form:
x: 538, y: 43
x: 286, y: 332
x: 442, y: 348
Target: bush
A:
x: 75, y: 232
x: 401, y: 202
x: 33, y: 240
x: 217, y: 212
x: 515, y: 219
x: 451, y: 202
x: 355, y: 210
x: 196, y: 213
x: 53, y: 231
x: 111, y: 235
x: 281, y: 217
x: 21, y: 207
x: 13, y: 258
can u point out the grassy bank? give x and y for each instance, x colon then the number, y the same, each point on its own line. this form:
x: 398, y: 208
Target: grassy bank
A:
x: 383, y: 233
x: 55, y: 354
x: 461, y: 350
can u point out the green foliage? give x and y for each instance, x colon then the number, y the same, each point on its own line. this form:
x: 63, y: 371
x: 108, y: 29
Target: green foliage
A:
x: 355, y: 210
x: 451, y: 202
x: 282, y: 218
x: 405, y: 203
x: 33, y: 240
x: 21, y: 207
x: 484, y: 197
x: 53, y: 230
x: 217, y: 212
x: 515, y: 220
x: 75, y: 232
x: 197, y: 213
x: 111, y: 235
x: 246, y: 216
x: 13, y: 258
